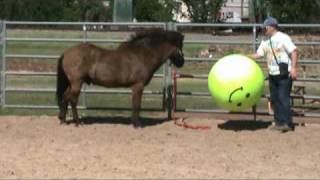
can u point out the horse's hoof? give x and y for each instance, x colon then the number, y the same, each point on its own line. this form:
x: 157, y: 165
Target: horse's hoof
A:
x: 61, y: 117
x: 62, y: 122
x: 77, y: 124
x: 137, y: 125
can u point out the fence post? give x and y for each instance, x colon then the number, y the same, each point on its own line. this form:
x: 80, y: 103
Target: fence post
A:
x: 85, y: 39
x: 1, y: 57
x: 254, y: 38
x: 2, y: 62
x: 168, y: 82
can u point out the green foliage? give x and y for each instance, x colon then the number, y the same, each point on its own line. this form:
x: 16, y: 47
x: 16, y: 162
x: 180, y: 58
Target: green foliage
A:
x: 204, y: 10
x: 258, y: 10
x: 92, y: 10
x: 286, y: 11
x: 57, y: 10
x: 153, y: 10
x: 295, y: 11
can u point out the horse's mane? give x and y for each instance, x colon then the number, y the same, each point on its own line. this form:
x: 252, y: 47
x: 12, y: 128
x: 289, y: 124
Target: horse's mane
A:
x: 153, y: 38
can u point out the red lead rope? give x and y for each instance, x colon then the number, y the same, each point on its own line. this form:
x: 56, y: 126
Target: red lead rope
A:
x: 181, y: 121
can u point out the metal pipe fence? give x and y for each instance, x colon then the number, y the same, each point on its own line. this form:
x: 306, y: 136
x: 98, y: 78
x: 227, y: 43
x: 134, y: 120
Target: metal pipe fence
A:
x: 84, y: 30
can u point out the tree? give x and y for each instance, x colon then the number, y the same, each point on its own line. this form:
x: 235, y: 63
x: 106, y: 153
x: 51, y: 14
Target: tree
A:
x: 204, y: 10
x: 286, y: 11
x: 258, y: 10
x: 92, y: 10
x: 57, y: 10
x: 31, y: 10
x: 153, y: 10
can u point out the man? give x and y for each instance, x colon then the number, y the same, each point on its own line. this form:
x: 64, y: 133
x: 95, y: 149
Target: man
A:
x: 279, y: 49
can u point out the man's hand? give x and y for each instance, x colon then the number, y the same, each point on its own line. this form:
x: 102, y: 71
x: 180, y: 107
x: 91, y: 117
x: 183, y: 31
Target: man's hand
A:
x: 293, y: 73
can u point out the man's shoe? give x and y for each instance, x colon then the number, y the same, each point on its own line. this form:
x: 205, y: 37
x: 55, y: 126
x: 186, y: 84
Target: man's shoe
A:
x: 282, y: 128
x: 276, y: 128
x: 286, y: 128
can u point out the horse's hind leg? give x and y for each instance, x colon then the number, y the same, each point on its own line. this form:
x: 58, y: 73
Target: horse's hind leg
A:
x: 137, y: 90
x: 63, y: 108
x: 74, y: 96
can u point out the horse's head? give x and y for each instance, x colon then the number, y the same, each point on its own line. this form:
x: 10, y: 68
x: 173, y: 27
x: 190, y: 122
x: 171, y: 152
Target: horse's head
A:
x: 176, y: 39
x: 158, y: 38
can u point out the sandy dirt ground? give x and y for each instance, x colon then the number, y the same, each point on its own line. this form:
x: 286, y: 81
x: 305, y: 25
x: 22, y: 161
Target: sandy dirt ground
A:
x: 109, y: 147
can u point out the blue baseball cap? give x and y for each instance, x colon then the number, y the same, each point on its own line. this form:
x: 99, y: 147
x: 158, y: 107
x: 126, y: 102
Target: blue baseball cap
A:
x: 270, y: 21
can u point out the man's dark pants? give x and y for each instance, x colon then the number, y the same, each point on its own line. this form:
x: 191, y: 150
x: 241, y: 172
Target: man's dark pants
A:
x: 280, y: 89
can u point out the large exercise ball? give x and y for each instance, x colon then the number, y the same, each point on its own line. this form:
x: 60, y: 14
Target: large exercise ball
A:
x: 236, y: 82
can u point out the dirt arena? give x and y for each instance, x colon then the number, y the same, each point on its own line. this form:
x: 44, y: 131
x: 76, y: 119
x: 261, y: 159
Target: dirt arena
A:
x: 39, y: 147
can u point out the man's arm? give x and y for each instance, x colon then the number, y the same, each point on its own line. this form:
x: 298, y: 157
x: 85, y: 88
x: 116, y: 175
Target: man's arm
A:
x: 294, y: 59
x: 259, y: 53
x: 254, y: 56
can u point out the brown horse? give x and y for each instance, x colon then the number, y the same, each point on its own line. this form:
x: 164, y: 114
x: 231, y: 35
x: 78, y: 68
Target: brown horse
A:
x: 131, y: 65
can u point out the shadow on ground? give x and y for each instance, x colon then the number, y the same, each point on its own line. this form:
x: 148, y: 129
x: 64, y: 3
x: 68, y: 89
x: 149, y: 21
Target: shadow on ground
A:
x: 244, y: 125
x: 146, y: 121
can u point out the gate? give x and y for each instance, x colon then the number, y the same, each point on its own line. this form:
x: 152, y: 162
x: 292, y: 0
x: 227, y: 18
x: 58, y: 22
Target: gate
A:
x: 28, y: 79
x: 243, y: 38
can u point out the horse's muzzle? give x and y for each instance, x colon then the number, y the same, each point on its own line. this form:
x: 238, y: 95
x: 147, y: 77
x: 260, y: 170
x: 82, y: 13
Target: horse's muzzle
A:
x: 177, y: 59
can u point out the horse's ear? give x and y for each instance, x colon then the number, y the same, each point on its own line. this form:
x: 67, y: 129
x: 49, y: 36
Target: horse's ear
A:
x: 176, y: 38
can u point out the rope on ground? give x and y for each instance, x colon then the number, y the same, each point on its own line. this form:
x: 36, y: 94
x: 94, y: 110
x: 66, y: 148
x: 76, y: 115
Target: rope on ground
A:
x: 181, y: 122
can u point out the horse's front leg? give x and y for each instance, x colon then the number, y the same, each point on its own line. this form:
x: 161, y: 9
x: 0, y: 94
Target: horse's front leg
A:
x: 137, y: 91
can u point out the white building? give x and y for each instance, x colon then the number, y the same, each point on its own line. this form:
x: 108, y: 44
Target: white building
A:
x: 182, y: 15
x: 233, y: 11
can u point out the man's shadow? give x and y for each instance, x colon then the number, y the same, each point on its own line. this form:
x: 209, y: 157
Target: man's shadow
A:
x: 244, y: 125
x: 145, y: 121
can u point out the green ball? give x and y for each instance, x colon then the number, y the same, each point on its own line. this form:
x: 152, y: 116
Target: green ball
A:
x: 236, y: 82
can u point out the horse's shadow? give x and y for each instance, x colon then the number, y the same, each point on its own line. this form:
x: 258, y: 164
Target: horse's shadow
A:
x: 244, y: 125
x: 145, y: 121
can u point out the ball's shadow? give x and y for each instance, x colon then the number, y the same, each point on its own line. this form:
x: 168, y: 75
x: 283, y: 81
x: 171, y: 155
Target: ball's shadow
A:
x: 244, y: 125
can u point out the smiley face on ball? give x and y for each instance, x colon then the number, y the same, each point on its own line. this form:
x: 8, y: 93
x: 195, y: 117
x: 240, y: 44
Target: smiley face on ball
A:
x: 240, y: 92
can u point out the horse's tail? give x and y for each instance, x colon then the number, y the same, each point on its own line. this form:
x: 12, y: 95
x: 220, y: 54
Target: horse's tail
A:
x: 62, y: 81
